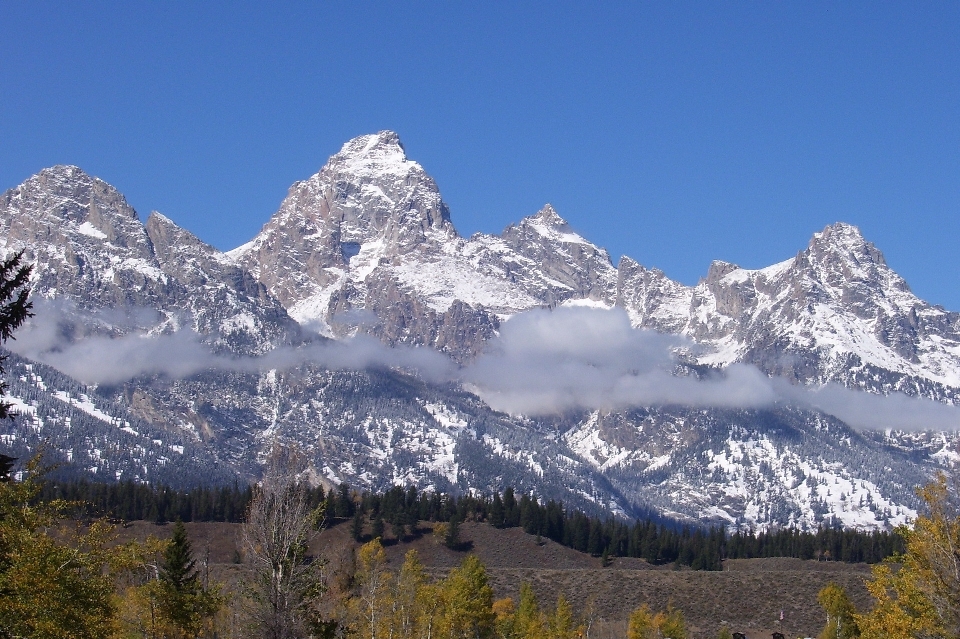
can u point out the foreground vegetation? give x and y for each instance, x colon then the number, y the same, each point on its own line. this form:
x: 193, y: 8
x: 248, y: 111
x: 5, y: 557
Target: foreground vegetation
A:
x: 59, y: 578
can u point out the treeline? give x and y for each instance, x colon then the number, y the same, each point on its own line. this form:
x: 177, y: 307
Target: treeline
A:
x: 827, y: 544
x: 400, y: 510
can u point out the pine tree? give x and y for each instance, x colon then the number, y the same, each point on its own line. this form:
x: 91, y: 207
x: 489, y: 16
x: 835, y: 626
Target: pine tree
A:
x: 356, y: 528
x: 182, y: 600
x: 452, y: 538
x: 14, y: 308
x: 377, y: 528
x: 496, y: 512
x: 6, y: 467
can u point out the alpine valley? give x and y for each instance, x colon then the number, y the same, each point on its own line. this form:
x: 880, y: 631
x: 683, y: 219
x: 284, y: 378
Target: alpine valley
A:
x: 344, y: 325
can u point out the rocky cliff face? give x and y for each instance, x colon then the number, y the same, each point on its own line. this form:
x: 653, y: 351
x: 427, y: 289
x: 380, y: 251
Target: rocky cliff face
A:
x: 369, y: 237
x: 91, y: 250
x: 835, y: 312
x: 367, y: 246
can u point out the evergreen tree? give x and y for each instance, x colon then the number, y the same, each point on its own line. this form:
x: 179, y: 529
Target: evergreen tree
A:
x: 14, y: 308
x: 398, y: 528
x: 511, y: 511
x: 496, y: 512
x: 356, y: 528
x: 6, y: 467
x: 452, y: 538
x: 182, y: 599
x: 376, y: 530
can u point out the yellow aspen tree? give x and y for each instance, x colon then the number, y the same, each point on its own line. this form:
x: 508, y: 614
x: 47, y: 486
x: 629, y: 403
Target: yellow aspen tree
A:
x: 563, y: 624
x: 841, y: 623
x: 55, y: 581
x: 431, y: 611
x: 469, y: 602
x: 406, y: 597
x: 641, y: 624
x: 528, y: 622
x: 371, y: 606
x: 921, y: 597
x: 671, y: 623
x: 504, y: 613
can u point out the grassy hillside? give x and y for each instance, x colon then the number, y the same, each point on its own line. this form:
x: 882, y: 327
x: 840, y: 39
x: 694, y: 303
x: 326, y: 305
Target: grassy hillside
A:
x: 747, y: 595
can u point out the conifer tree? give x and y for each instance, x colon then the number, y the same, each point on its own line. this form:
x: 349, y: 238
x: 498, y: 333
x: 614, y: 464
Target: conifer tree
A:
x: 182, y: 598
x: 377, y: 529
x: 14, y: 308
x: 356, y: 528
x: 496, y: 512
x: 452, y: 538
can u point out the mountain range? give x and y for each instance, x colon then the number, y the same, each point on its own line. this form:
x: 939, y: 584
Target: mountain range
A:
x: 361, y: 327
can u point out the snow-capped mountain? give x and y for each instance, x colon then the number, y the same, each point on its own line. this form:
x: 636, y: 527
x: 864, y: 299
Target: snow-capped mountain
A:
x: 370, y: 233
x: 367, y: 247
x: 835, y: 312
x: 92, y: 251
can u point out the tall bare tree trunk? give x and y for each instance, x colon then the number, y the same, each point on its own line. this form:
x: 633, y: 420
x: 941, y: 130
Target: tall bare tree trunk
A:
x: 286, y: 584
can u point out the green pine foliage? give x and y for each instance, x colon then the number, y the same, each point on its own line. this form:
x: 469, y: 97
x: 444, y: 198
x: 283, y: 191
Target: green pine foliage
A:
x: 397, y: 511
x: 181, y: 596
x: 14, y: 307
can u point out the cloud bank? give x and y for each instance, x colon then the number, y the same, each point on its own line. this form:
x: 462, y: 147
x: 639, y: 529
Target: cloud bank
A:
x: 141, y: 349
x: 543, y: 362
x: 568, y: 358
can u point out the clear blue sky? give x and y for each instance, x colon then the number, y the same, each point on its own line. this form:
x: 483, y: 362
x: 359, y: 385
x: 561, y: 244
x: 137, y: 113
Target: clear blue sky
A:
x: 672, y: 132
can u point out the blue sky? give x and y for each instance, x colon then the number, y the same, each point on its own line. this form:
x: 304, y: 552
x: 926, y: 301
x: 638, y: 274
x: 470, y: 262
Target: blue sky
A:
x: 672, y: 132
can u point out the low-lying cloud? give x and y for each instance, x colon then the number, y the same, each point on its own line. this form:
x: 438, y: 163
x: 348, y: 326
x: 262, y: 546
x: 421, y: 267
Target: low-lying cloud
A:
x: 569, y: 358
x: 50, y: 337
x: 542, y: 362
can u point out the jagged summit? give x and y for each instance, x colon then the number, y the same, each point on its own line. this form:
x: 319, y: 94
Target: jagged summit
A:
x: 86, y: 204
x: 841, y: 255
x: 368, y: 240
x: 549, y: 215
x: 90, y: 249
x: 374, y: 155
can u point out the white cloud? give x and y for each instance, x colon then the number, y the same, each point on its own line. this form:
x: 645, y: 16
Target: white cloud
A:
x: 543, y: 362
x: 552, y: 361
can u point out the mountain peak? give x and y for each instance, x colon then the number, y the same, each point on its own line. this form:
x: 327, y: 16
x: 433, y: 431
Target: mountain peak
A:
x: 377, y: 153
x: 65, y: 193
x: 549, y: 215
x: 68, y: 171
x: 840, y: 231
x: 718, y: 270
x: 846, y: 240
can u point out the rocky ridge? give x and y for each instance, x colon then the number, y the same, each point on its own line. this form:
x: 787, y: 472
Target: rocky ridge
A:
x: 367, y: 246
